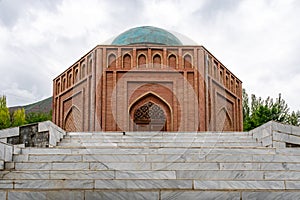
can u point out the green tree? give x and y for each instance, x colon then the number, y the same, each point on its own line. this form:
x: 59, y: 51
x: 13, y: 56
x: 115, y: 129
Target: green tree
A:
x: 294, y: 118
x: 34, y: 117
x: 4, y: 114
x: 19, y: 117
x: 246, y: 111
x: 261, y: 111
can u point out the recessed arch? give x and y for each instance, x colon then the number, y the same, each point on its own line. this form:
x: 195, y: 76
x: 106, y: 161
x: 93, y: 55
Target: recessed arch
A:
x: 70, y: 80
x: 111, y: 60
x: 73, y: 121
x: 172, y: 61
x: 83, y: 70
x: 127, y: 61
x: 58, y: 88
x: 63, y: 84
x: 187, y: 60
x: 90, y: 66
x: 224, y: 121
x: 76, y: 76
x: 142, y: 60
x: 157, y: 102
x: 156, y: 60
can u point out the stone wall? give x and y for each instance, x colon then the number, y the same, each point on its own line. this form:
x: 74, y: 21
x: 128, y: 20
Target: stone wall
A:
x: 42, y: 134
x: 30, y: 136
x: 274, y: 134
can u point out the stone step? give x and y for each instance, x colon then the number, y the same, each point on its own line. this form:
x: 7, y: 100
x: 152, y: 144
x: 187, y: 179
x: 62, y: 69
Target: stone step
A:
x: 158, y: 174
x: 160, y: 138
x: 184, y: 150
x: 164, y: 134
x: 204, y: 165
x: 151, y: 195
x: 155, y: 140
x: 169, y: 184
x: 192, y: 157
x: 158, y: 144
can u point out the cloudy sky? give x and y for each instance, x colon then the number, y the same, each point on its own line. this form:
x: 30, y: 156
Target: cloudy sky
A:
x: 258, y: 40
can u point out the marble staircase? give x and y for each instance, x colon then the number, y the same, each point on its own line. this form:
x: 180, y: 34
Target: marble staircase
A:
x: 149, y: 165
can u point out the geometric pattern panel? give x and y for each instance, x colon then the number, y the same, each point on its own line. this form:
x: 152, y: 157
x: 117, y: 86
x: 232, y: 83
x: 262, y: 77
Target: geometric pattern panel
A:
x: 149, y: 112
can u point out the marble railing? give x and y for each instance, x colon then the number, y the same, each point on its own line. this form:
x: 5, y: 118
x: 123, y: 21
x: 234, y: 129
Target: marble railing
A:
x: 274, y: 134
x: 55, y: 132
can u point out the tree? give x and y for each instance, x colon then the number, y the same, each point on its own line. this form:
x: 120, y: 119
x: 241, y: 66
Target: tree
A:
x: 246, y: 111
x: 261, y: 111
x: 38, y: 117
x: 19, y: 117
x: 294, y: 118
x: 4, y: 114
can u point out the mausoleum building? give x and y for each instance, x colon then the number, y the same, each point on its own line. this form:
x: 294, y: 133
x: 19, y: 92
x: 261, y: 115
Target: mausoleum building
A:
x: 147, y: 79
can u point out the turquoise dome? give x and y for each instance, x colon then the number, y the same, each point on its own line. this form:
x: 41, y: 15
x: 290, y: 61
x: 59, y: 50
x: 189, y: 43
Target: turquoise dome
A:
x: 147, y: 35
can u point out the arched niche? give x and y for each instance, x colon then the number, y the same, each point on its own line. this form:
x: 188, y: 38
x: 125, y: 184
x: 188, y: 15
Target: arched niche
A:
x: 127, y: 61
x: 142, y: 60
x: 156, y: 61
x: 172, y: 61
x: 224, y: 121
x: 187, y: 59
x: 73, y: 122
x: 111, y: 60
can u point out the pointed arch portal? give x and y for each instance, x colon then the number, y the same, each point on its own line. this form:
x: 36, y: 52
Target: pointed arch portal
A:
x: 150, y: 113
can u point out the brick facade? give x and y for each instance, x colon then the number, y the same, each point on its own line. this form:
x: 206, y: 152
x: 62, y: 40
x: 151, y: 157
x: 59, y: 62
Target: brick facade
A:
x: 109, y: 87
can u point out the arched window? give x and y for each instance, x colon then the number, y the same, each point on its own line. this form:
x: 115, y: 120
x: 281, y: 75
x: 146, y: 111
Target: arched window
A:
x: 187, y: 61
x: 156, y: 61
x: 127, y: 61
x: 172, y: 61
x: 141, y: 60
x: 111, y: 61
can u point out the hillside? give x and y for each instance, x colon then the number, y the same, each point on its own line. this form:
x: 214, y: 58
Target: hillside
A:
x: 43, y: 106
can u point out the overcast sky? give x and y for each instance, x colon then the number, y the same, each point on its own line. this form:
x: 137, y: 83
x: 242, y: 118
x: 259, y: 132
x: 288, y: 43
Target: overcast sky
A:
x: 258, y: 40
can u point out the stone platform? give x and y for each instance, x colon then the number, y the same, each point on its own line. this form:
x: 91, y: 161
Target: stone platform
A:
x: 146, y: 165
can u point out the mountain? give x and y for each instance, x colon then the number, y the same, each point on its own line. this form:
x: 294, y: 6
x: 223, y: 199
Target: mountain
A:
x: 43, y: 106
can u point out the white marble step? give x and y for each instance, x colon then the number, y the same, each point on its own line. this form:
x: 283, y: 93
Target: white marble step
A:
x: 159, y: 144
x: 157, y: 174
x: 204, y: 150
x: 169, y: 184
x: 165, y: 134
x: 155, y: 140
x: 150, y: 195
x: 204, y: 165
x: 191, y: 157
x: 160, y: 138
